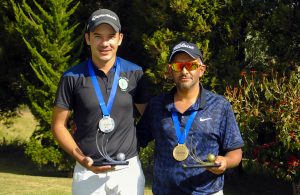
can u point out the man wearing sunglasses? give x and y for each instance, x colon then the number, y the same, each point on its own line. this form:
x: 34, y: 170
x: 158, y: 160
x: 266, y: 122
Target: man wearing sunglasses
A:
x: 190, y: 124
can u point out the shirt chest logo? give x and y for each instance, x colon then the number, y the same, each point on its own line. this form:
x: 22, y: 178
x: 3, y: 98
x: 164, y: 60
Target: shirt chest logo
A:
x: 204, y: 119
x: 123, y: 83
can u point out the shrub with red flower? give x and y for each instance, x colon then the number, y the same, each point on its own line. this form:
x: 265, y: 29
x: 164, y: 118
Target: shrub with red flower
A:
x: 283, y: 163
x: 293, y: 161
x: 267, y: 108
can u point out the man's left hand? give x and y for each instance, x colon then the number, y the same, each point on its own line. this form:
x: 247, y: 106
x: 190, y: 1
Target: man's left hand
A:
x: 221, y: 169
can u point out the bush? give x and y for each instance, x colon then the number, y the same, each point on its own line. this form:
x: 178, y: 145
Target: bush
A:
x: 267, y: 108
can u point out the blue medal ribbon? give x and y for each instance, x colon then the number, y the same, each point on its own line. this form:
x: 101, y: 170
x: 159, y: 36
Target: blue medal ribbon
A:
x: 105, y: 109
x: 181, y: 136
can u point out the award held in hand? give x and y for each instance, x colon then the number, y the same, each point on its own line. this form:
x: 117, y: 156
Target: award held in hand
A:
x: 209, y: 162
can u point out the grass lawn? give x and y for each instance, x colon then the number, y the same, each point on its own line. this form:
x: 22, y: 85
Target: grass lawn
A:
x: 19, y: 176
x: 11, y: 183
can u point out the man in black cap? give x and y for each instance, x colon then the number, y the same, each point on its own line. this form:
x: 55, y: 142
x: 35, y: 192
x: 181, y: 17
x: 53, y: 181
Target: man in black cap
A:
x: 190, y: 125
x: 102, y: 93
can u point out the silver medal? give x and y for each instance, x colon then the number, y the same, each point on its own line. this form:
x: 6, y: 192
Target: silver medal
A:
x: 106, y: 124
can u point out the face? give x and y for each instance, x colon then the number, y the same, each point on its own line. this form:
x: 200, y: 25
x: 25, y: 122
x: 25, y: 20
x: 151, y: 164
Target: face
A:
x: 104, y: 42
x: 186, y: 79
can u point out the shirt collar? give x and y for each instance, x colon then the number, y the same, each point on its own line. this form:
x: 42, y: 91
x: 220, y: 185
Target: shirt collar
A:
x: 199, y: 104
x: 113, y: 68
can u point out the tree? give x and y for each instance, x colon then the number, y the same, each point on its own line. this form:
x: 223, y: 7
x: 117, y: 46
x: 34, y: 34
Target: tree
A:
x: 272, y: 40
x: 48, y: 35
x: 174, y: 21
x: 12, y: 57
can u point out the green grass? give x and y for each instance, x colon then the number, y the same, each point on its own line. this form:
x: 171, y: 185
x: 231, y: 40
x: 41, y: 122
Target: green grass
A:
x: 21, y: 127
x: 17, y: 173
x: 19, y: 176
x: 26, y: 184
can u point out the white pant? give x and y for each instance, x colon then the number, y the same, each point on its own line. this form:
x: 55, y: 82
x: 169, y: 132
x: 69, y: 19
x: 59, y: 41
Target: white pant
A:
x: 218, y: 193
x: 124, y: 180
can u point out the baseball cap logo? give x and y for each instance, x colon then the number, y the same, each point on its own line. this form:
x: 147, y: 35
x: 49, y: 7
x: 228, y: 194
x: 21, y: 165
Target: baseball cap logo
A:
x: 183, y: 45
x: 189, y: 48
x: 103, y: 15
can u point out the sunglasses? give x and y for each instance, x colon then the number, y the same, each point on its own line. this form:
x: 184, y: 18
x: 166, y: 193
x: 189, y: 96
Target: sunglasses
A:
x: 189, y: 66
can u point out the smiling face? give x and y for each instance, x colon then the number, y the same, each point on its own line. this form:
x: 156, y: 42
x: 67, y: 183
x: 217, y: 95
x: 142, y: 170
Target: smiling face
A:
x: 184, y: 79
x: 104, y: 42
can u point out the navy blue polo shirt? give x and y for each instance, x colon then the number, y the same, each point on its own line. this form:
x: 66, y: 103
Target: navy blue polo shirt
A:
x: 214, y: 130
x: 76, y: 92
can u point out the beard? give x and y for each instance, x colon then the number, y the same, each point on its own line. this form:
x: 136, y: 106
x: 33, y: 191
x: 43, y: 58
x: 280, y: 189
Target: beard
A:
x: 186, y: 85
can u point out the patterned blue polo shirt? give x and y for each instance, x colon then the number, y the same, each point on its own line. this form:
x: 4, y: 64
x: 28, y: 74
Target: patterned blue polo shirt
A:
x: 214, y: 130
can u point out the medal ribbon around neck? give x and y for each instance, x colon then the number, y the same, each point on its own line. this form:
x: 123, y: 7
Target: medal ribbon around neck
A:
x: 182, y: 135
x: 105, y: 109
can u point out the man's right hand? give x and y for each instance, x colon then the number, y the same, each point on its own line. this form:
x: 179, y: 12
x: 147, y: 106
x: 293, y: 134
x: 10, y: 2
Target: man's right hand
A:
x: 87, y: 162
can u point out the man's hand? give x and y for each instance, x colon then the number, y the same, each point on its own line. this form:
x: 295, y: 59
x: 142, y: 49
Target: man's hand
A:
x: 87, y: 162
x: 221, y: 169
x: 230, y: 160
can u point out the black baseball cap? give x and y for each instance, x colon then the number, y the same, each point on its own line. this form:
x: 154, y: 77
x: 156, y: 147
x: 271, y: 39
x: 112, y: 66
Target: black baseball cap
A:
x: 103, y: 16
x: 189, y: 48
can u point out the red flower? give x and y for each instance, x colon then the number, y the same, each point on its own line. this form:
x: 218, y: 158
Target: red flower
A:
x: 243, y: 73
x: 293, y: 161
x: 292, y: 134
x: 255, y: 152
x: 264, y: 146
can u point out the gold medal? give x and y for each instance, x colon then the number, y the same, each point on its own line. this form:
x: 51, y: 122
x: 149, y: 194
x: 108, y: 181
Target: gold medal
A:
x: 180, y: 152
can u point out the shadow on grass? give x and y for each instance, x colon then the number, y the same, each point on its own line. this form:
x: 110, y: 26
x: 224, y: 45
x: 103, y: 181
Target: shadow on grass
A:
x: 13, y: 160
x: 255, y: 182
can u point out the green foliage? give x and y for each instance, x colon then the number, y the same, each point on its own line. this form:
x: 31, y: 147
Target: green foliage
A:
x: 6, y: 117
x: 226, y: 41
x: 256, y: 49
x: 234, y: 35
x: 267, y: 109
x: 282, y: 31
x: 273, y: 26
x: 178, y: 20
x: 43, y: 151
x: 49, y: 37
x: 12, y: 56
x: 146, y: 157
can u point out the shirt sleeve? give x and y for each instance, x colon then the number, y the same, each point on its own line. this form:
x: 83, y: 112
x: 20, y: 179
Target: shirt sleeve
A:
x: 64, y: 94
x: 231, y: 135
